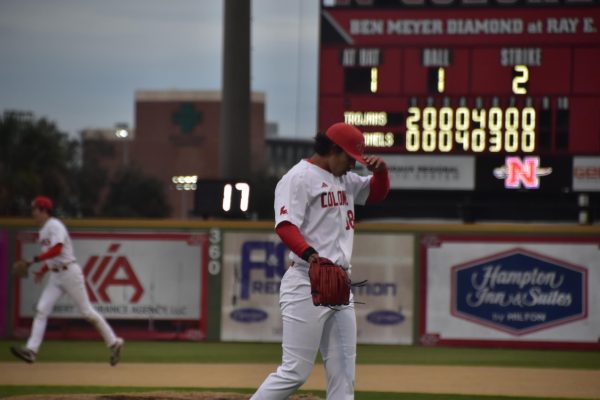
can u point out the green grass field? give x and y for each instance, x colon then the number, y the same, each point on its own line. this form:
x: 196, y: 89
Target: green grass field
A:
x: 207, y: 352
x: 219, y: 352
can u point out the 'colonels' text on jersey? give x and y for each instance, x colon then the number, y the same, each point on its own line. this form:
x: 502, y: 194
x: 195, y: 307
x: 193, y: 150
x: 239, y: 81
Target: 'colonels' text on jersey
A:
x: 322, y: 207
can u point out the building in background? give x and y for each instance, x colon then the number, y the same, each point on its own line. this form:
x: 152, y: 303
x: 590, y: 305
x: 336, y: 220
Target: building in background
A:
x: 283, y: 153
x: 177, y: 135
x: 109, y: 149
x: 118, y: 140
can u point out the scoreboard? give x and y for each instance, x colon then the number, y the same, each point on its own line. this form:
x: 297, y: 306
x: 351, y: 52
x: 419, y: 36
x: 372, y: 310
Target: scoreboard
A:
x: 463, y: 77
x: 488, y: 107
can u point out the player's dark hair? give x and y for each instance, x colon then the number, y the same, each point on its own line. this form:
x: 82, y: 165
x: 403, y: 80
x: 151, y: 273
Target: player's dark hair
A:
x: 323, y: 145
x: 48, y: 211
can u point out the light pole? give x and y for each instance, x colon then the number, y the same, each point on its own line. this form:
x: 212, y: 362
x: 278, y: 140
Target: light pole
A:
x: 184, y: 183
x: 123, y: 135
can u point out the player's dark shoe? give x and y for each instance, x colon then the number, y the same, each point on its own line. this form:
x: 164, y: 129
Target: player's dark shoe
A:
x: 115, y: 351
x: 23, y: 353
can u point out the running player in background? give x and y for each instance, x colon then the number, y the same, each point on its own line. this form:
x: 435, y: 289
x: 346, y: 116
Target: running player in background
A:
x: 314, y: 216
x: 65, y: 277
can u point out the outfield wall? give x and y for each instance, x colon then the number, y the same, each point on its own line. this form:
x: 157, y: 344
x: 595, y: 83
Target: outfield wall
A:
x: 430, y: 284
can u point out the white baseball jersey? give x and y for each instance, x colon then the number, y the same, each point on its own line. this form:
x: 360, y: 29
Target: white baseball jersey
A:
x: 52, y: 233
x: 70, y: 281
x: 322, y: 207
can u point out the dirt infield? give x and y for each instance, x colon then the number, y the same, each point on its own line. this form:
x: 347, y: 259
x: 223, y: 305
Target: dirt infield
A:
x: 156, y: 396
x: 544, y: 383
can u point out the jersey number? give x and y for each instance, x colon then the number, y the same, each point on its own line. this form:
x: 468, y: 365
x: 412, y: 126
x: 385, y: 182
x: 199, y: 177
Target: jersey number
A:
x: 350, y: 220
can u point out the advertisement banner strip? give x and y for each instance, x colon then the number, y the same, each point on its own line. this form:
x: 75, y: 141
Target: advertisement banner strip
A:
x: 4, y: 274
x: 255, y: 264
x: 430, y: 172
x: 133, y: 275
x: 519, y: 290
x: 586, y: 174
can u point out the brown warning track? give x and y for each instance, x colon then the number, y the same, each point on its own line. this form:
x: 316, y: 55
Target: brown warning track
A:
x: 544, y: 383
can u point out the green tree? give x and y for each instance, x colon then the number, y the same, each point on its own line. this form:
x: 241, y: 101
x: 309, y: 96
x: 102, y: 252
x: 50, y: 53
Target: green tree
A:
x: 91, y: 178
x: 35, y: 158
x: 134, y: 195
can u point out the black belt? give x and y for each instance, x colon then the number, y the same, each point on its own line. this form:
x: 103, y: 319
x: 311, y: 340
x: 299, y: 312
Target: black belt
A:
x: 63, y: 267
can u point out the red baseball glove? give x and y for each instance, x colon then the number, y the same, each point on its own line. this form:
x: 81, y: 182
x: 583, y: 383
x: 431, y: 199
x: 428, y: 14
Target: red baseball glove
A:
x: 330, y: 285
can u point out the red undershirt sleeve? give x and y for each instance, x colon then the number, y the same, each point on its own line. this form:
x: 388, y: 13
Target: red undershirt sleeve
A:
x: 51, y: 252
x: 290, y: 235
x: 379, y: 186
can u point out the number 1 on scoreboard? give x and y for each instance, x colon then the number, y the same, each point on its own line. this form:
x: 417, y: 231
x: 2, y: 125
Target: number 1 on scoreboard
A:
x: 436, y: 80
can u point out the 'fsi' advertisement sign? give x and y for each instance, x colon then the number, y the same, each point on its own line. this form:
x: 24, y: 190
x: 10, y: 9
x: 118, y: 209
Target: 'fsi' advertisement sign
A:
x: 255, y: 263
x: 519, y: 291
x: 512, y: 289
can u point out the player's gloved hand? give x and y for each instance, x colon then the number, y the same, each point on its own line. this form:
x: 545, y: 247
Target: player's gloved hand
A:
x: 20, y: 268
x: 38, y: 275
x: 375, y: 164
x: 330, y: 284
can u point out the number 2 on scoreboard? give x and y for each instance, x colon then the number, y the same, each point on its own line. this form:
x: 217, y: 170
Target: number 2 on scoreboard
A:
x: 520, y: 79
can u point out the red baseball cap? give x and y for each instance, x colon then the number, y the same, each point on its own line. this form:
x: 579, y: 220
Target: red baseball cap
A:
x: 42, y: 202
x: 349, y: 138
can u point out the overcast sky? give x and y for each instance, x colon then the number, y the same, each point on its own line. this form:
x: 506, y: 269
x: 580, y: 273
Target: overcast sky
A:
x: 79, y: 62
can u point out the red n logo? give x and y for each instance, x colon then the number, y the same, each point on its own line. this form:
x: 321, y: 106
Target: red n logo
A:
x: 524, y: 172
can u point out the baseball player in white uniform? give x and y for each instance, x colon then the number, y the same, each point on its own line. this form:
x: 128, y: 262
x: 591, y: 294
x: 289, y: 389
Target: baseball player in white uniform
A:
x: 314, y: 216
x: 65, y: 277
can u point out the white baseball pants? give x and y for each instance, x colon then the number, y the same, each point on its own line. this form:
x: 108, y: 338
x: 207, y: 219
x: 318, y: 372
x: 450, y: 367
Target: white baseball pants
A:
x: 71, y: 282
x: 306, y: 330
